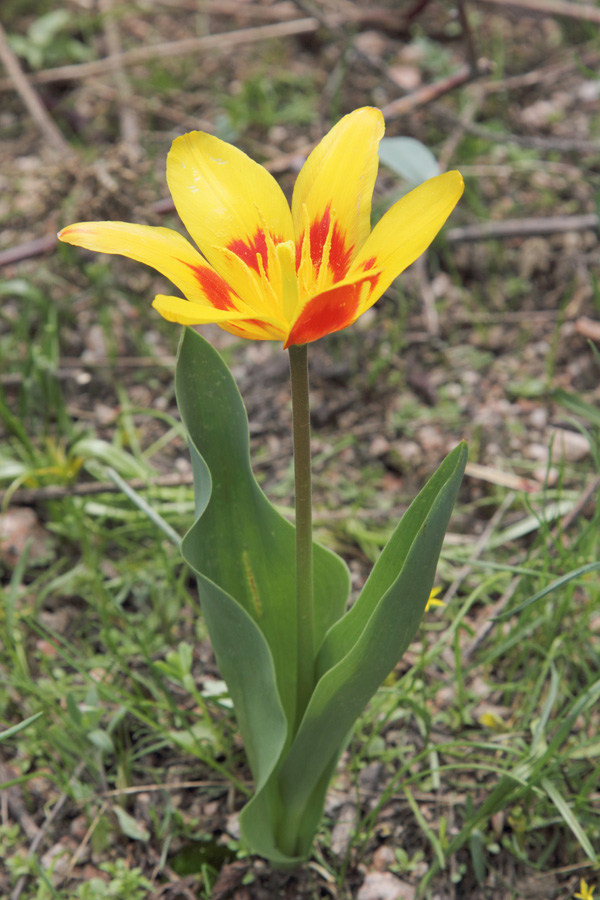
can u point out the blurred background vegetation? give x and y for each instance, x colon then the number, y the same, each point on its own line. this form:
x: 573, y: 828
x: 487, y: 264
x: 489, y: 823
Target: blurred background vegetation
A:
x: 475, y: 771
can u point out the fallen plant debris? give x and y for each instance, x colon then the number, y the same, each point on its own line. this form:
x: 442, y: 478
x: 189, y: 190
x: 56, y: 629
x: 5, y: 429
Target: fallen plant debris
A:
x: 503, y: 738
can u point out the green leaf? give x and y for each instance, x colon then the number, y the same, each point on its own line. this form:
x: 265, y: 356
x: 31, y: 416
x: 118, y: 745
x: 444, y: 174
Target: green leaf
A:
x: 575, y: 404
x: 239, y: 542
x: 243, y: 553
x: 197, y: 734
x: 418, y: 521
x: 560, y: 582
x: 356, y: 657
x: 101, y: 740
x: 130, y: 827
x: 408, y: 158
x: 94, y: 450
x: 569, y: 817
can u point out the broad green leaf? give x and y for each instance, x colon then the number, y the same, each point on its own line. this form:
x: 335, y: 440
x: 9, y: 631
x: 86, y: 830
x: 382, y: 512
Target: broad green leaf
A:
x: 243, y: 552
x: 408, y: 158
x: 344, y: 634
x: 271, y: 825
x: 101, y: 740
x: 130, y: 826
x: 346, y: 688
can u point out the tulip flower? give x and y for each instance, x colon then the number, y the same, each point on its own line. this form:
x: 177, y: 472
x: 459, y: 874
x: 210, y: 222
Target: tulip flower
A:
x: 299, y: 664
x: 268, y: 272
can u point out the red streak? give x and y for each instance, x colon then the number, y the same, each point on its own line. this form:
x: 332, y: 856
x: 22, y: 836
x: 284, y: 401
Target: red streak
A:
x: 247, y: 251
x: 328, y: 312
x: 340, y: 255
x: 215, y: 288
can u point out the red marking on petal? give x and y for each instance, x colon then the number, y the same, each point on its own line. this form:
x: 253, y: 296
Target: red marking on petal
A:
x: 328, y: 312
x: 216, y: 288
x: 324, y: 314
x: 369, y: 263
x: 247, y: 251
x: 319, y: 229
x: 340, y: 254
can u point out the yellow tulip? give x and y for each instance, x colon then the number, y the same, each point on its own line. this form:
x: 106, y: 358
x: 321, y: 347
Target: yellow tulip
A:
x: 268, y: 272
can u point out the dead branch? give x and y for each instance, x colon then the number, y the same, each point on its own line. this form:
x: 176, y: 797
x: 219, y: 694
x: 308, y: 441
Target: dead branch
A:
x: 548, y: 8
x: 28, y: 496
x: 513, y: 228
x: 453, y: 140
x: 431, y: 92
x: 551, y: 73
x: 589, y: 328
x: 127, y: 117
x: 485, y: 231
x: 559, y: 144
x: 225, y: 40
x: 27, y: 250
x: 31, y: 101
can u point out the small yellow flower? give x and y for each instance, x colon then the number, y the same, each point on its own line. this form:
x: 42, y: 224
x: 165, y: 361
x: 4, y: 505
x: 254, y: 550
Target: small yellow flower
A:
x: 434, y: 599
x: 268, y: 271
x: 492, y: 720
x: 585, y: 892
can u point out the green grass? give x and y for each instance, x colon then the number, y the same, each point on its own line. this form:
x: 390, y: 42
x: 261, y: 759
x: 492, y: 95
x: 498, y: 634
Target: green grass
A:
x: 100, y: 638
x: 486, y: 738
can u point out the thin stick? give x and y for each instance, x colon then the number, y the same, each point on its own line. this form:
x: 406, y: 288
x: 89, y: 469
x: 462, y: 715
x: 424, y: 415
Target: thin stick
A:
x: 512, y: 228
x: 549, y: 8
x: 27, y: 496
x: 560, y: 144
x: 553, y: 73
x: 28, y: 95
x: 27, y: 250
x: 468, y: 38
x: 127, y: 117
x: 431, y: 92
x: 41, y: 832
x: 468, y: 114
x: 173, y: 49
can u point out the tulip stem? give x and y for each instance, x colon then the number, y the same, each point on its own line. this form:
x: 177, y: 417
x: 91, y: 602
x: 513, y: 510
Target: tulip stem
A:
x: 304, y: 545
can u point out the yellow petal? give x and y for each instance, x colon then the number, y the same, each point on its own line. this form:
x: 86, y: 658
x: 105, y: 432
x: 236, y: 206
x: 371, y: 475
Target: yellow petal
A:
x: 232, y: 207
x: 332, y: 196
x: 163, y: 249
x: 175, y: 309
x: 185, y: 312
x: 405, y: 232
x: 330, y: 310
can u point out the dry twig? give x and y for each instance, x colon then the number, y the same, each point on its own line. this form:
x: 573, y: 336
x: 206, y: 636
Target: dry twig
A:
x: 554, y: 73
x: 28, y: 95
x: 559, y: 144
x: 431, y: 92
x: 27, y: 496
x: 579, y: 11
x: 513, y: 228
x: 226, y: 40
x: 127, y: 118
x: 41, y: 832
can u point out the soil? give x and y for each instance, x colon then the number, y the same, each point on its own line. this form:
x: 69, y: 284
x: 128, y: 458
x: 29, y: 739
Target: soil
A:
x: 472, y: 344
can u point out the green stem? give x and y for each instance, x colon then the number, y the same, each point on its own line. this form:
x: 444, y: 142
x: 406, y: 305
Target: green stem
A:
x: 304, y: 546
